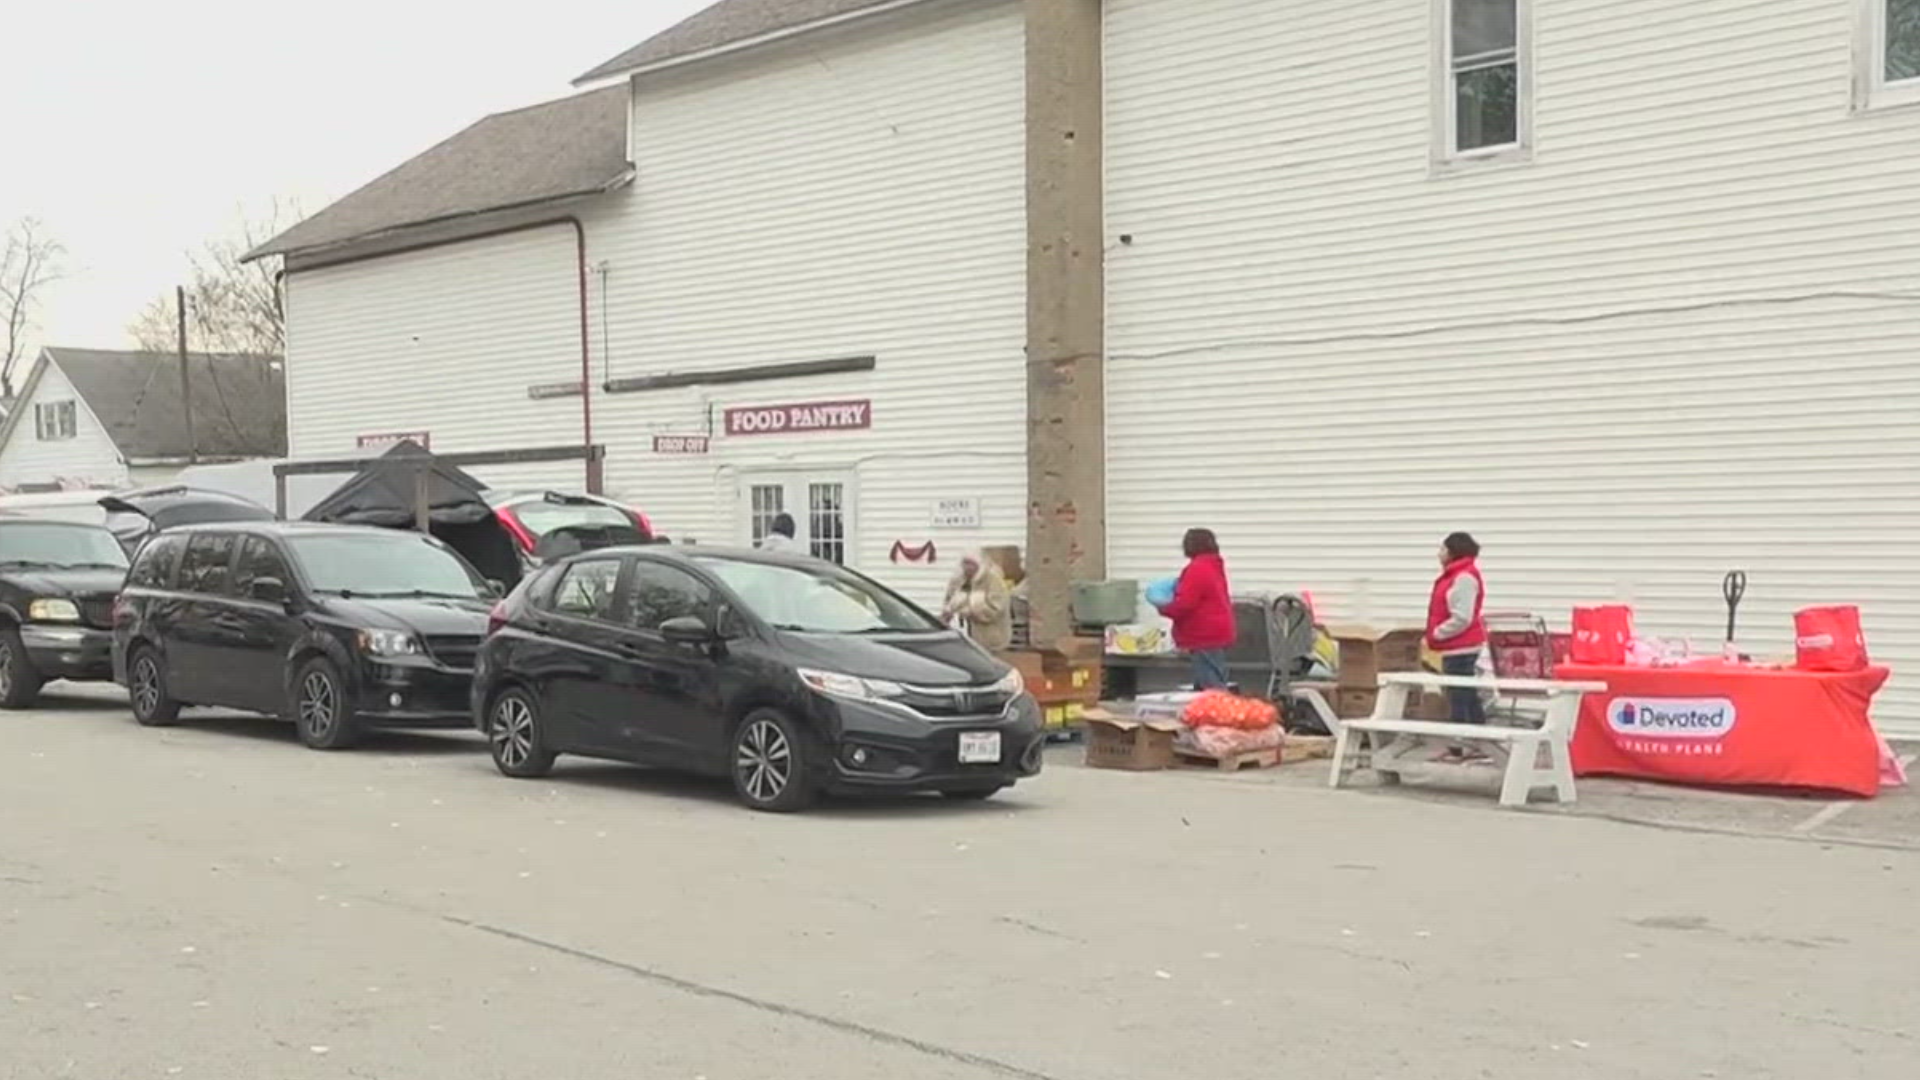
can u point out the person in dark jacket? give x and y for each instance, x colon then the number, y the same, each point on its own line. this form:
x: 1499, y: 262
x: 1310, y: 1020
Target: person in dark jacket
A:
x: 1202, y: 610
x: 1456, y: 629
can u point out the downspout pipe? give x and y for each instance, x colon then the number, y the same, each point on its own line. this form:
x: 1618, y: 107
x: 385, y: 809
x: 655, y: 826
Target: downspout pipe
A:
x: 595, y: 467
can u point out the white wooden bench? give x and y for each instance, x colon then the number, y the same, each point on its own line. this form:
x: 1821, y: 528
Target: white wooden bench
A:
x: 1388, y: 743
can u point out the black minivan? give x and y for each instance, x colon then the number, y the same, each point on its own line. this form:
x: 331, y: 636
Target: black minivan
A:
x: 336, y: 627
x: 790, y: 675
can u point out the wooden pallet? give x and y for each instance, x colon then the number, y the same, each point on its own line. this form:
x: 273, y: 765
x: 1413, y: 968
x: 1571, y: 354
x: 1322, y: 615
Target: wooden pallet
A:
x: 1252, y: 759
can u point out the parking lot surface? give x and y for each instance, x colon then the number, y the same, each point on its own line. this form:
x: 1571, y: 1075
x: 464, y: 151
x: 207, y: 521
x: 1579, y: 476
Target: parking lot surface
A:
x: 213, y: 900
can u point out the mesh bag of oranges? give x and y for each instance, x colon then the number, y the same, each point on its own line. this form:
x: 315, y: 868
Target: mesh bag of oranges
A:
x: 1217, y: 708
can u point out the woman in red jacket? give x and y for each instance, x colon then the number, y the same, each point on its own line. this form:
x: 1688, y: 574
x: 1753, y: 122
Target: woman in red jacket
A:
x: 1202, y: 610
x: 1455, y: 626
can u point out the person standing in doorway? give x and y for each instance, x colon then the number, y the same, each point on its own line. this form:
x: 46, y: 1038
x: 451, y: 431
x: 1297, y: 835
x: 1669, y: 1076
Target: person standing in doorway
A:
x: 980, y: 604
x: 1202, y: 610
x: 1455, y: 627
x: 780, y: 535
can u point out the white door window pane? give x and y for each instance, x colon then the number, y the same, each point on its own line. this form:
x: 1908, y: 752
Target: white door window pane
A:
x: 1484, y: 28
x: 827, y: 522
x: 768, y: 501
x: 1903, y: 40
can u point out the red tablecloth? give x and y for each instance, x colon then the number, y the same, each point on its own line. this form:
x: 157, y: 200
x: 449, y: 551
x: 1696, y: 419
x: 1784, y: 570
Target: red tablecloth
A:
x: 1717, y: 723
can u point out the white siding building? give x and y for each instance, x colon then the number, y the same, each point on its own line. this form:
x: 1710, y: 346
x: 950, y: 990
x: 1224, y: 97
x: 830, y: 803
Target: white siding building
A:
x: 1624, y: 288
x: 88, y: 418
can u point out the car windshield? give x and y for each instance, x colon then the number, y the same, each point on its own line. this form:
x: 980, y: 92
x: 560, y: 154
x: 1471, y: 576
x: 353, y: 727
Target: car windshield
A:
x: 383, y: 564
x: 541, y: 517
x: 819, y: 598
x: 54, y: 544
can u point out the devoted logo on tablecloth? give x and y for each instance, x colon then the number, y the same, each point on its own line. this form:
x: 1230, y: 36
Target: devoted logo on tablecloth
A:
x: 1672, y: 718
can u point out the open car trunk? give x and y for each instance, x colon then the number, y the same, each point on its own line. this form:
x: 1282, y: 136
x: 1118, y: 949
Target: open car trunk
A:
x: 133, y: 516
x: 386, y: 494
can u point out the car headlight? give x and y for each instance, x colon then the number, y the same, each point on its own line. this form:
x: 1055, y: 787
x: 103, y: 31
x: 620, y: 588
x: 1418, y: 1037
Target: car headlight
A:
x: 1013, y: 685
x: 388, y: 643
x: 53, y: 611
x: 834, y: 684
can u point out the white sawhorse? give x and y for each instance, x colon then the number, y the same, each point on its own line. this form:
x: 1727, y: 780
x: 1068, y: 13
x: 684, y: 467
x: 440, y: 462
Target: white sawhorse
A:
x: 1388, y: 742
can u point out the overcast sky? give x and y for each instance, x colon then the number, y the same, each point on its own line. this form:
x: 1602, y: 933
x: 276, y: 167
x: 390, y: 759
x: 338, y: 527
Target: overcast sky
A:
x: 136, y: 130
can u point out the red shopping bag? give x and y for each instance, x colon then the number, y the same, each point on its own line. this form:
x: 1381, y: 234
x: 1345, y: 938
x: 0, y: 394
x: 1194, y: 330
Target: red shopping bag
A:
x: 1600, y: 634
x: 1829, y: 639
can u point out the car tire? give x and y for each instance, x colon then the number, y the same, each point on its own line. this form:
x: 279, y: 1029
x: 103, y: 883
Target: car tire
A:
x: 153, y: 706
x: 517, y: 737
x: 973, y: 794
x: 768, y: 763
x: 319, y: 706
x: 20, y: 682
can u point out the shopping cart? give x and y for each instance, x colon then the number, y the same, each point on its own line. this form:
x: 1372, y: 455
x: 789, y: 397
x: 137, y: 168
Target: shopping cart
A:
x: 1520, y: 646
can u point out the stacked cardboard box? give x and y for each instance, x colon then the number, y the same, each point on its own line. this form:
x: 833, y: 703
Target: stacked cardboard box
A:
x: 1364, y: 654
x: 1064, y: 680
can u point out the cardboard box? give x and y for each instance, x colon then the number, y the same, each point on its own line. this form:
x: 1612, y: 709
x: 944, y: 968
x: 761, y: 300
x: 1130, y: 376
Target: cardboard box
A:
x: 1064, y: 715
x: 1428, y: 705
x: 1120, y: 742
x: 1305, y: 748
x: 1354, y: 702
x: 1366, y: 652
x: 1052, y: 678
x: 1171, y: 705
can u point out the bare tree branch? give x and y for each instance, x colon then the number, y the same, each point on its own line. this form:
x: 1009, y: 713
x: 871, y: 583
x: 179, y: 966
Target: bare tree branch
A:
x: 231, y: 307
x: 29, y: 262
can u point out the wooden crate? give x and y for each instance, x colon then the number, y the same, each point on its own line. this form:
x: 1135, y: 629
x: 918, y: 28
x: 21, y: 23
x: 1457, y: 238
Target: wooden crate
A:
x: 1251, y: 759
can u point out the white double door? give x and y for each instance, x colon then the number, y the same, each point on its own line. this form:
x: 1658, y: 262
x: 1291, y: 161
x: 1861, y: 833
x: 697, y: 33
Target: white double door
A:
x: 821, y: 504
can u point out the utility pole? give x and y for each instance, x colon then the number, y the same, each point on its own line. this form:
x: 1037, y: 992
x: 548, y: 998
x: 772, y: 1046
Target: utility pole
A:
x: 1066, y: 297
x: 186, y: 385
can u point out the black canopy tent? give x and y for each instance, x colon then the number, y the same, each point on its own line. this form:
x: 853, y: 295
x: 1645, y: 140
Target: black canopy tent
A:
x: 408, y: 487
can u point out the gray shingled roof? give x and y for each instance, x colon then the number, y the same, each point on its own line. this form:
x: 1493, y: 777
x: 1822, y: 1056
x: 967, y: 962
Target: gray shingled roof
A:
x: 574, y: 146
x: 725, y: 23
x: 239, y: 402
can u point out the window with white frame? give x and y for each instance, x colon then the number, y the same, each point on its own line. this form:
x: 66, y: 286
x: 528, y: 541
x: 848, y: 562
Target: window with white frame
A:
x: 1893, y: 53
x: 55, y: 420
x: 1485, y: 63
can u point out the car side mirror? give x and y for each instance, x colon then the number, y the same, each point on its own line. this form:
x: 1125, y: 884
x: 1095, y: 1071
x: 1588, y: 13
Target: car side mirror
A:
x: 269, y: 590
x: 688, y: 630
x: 496, y: 588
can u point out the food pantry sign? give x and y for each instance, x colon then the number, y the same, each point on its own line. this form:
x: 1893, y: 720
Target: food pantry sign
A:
x: 801, y: 419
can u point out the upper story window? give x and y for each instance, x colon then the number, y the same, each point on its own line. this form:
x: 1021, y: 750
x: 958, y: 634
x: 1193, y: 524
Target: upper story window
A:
x: 1891, y: 53
x: 55, y: 420
x: 1484, y: 59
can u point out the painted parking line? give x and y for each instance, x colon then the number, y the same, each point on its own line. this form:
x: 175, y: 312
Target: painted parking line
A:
x: 1825, y: 815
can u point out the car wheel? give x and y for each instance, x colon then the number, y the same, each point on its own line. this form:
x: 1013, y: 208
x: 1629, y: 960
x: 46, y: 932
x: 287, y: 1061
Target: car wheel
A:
x: 518, y: 740
x: 769, y: 764
x: 20, y: 683
x: 147, y: 687
x: 321, y: 713
x: 973, y: 794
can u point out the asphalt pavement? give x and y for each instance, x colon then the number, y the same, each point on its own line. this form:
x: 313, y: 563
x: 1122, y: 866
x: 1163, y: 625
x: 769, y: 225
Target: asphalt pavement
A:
x: 213, y: 900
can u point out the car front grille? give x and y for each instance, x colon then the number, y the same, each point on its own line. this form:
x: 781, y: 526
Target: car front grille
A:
x: 97, y: 612
x: 454, y: 650
x: 957, y: 703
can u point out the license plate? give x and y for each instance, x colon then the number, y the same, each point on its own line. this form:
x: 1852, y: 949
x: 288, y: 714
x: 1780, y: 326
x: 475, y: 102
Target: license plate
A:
x: 979, y: 748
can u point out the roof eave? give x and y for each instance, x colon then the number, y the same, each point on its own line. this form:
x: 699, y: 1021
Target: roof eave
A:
x: 607, y: 74
x: 271, y: 247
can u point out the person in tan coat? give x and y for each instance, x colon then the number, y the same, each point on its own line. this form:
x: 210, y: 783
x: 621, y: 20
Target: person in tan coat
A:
x: 980, y: 604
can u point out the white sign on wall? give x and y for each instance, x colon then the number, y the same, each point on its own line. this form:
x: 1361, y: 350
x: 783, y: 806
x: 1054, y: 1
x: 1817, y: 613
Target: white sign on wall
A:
x: 956, y: 514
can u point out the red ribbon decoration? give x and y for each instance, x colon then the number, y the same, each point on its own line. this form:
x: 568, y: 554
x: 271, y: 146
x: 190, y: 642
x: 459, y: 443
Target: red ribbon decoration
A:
x: 902, y: 553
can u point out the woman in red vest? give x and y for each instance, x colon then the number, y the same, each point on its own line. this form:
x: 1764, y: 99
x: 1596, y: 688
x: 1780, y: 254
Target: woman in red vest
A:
x: 1455, y: 628
x: 1202, y: 610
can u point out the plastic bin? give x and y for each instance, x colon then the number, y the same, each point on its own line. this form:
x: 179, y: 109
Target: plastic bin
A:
x: 1105, y: 603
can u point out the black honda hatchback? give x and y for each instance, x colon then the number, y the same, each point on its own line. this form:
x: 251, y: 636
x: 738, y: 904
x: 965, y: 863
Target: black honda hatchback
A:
x: 792, y: 676
x: 338, y: 628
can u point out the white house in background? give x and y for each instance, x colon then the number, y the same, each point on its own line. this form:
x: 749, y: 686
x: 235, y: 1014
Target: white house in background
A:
x: 88, y: 418
x: 1627, y: 290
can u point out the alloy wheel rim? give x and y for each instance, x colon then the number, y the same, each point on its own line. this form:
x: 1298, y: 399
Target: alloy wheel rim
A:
x: 764, y: 761
x: 513, y: 732
x: 317, y: 705
x: 146, y: 687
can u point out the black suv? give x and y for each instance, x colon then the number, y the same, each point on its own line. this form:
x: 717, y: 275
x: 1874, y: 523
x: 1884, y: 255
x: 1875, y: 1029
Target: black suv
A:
x: 792, y: 676
x: 57, y: 584
x: 335, y: 627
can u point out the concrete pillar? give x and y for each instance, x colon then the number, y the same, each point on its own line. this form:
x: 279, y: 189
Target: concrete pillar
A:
x: 1066, y: 301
